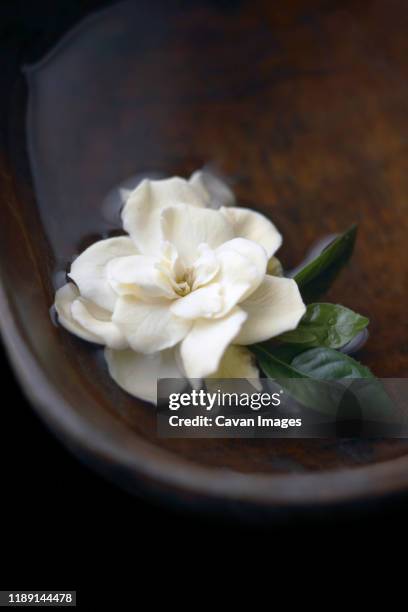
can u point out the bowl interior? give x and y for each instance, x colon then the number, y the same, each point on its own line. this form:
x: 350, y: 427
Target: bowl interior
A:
x: 310, y: 126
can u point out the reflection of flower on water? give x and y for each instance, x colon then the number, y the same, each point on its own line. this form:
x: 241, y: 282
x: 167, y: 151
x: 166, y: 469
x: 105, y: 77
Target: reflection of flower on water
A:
x: 186, y: 290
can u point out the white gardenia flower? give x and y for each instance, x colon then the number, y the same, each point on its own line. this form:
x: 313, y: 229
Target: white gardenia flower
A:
x: 185, y: 291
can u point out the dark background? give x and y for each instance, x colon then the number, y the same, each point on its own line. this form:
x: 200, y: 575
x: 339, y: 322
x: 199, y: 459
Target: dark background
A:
x: 64, y: 527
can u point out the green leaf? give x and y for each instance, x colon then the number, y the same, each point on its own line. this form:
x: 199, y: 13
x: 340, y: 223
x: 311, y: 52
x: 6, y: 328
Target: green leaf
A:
x: 273, y: 364
x: 328, y: 364
x: 317, y: 395
x: 317, y: 276
x: 316, y: 363
x: 326, y: 325
x: 312, y: 377
x: 283, y: 352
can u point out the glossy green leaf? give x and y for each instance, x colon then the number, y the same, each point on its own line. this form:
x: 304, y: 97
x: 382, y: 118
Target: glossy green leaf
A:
x: 317, y: 276
x: 326, y: 325
x: 273, y: 364
x: 313, y: 376
x: 329, y: 364
x: 320, y: 363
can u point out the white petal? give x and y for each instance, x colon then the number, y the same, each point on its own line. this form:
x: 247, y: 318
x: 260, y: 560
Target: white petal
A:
x: 137, y: 373
x: 252, y: 251
x: 202, y: 349
x: 275, y: 307
x: 187, y: 227
x: 138, y: 275
x: 254, y: 226
x: 108, y: 332
x: 141, y: 214
x: 149, y: 327
x: 237, y: 362
x: 242, y: 269
x: 205, y: 267
x: 212, y: 189
x: 64, y: 298
x: 85, y: 319
x: 203, y: 302
x: 88, y: 270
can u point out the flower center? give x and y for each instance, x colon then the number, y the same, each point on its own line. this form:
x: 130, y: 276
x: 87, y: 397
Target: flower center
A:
x: 184, y: 282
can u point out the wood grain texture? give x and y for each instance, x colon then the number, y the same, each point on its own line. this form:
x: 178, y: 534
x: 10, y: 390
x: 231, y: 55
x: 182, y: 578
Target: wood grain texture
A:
x: 301, y: 105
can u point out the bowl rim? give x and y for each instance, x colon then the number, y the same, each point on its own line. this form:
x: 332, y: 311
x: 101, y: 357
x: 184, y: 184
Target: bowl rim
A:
x: 183, y: 476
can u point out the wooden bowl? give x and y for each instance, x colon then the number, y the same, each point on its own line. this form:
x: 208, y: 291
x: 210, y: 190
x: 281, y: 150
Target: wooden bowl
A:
x: 305, y: 109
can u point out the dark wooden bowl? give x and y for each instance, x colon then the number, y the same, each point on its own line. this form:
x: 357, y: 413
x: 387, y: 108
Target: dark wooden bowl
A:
x: 304, y: 106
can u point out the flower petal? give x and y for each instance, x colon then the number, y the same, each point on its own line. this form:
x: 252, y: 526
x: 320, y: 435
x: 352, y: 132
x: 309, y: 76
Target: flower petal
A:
x: 275, y: 307
x: 202, y: 349
x: 64, y: 298
x: 85, y: 319
x: 88, y: 270
x: 187, y: 227
x: 140, y: 276
x: 237, y: 362
x: 214, y: 192
x: 203, y: 302
x: 142, y: 211
x: 253, y: 226
x: 149, y: 327
x: 242, y: 269
x: 137, y: 373
x: 252, y: 251
x: 108, y: 332
x: 205, y: 267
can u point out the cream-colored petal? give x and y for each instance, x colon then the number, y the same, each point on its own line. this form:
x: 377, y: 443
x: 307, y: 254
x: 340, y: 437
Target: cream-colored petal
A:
x: 88, y: 271
x: 108, y: 332
x: 139, y: 275
x: 214, y: 191
x: 275, y: 307
x: 187, y: 227
x: 252, y: 251
x: 85, y: 319
x: 242, y: 269
x: 142, y: 211
x: 64, y: 298
x: 203, y: 302
x: 137, y: 373
x: 202, y: 349
x: 149, y: 326
x: 205, y: 267
x: 237, y: 362
x: 253, y: 226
